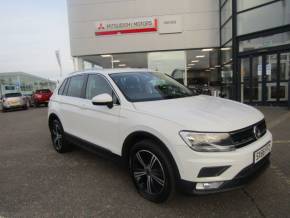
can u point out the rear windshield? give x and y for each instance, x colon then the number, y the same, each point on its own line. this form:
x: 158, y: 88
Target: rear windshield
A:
x: 43, y: 91
x: 11, y: 95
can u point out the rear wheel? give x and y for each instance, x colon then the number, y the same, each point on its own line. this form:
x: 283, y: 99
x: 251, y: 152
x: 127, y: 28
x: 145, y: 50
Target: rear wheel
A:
x: 151, y: 171
x: 58, y: 139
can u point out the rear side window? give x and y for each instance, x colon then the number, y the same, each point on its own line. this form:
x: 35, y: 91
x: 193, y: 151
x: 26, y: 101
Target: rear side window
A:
x: 76, y: 86
x: 62, y: 87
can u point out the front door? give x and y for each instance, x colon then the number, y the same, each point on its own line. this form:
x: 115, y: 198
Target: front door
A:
x: 100, y: 123
x: 264, y: 78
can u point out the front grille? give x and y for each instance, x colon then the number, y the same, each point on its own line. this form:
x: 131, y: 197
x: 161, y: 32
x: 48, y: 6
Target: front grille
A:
x: 247, y: 135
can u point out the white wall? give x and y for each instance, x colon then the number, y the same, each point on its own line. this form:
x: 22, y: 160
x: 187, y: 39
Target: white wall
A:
x: 200, y: 25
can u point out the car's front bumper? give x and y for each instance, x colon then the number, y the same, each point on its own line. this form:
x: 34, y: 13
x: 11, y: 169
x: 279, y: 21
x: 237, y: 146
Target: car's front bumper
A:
x: 8, y: 107
x: 237, y: 166
x: 243, y: 177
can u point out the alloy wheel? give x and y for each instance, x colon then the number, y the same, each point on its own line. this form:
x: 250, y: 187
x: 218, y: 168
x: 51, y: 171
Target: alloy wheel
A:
x: 148, y: 172
x: 57, y: 136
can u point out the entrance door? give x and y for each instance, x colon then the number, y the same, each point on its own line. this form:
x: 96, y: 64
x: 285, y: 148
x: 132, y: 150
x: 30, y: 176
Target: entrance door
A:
x: 264, y: 78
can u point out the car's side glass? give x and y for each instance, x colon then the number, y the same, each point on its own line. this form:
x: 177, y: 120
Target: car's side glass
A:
x: 98, y: 85
x: 62, y: 87
x: 66, y: 87
x: 75, y: 86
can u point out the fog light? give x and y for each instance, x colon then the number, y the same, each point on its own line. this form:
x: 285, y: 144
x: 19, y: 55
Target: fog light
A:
x: 208, y: 185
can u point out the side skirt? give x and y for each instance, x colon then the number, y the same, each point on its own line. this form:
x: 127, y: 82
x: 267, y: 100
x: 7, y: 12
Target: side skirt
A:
x: 98, y: 150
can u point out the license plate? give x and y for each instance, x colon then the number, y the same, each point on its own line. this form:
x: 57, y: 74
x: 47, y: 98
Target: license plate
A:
x: 14, y: 103
x: 262, y: 152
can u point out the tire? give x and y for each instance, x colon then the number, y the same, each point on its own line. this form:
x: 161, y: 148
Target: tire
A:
x: 151, y: 171
x: 59, y: 142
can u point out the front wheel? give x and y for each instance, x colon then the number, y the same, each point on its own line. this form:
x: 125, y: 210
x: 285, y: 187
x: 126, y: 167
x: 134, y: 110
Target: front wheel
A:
x: 151, y: 171
x: 59, y: 142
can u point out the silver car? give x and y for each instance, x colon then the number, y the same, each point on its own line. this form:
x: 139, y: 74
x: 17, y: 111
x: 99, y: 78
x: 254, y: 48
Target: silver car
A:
x: 14, y: 101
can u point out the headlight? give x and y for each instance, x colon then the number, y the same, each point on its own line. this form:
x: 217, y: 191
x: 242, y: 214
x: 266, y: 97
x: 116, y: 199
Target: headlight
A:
x: 208, y: 142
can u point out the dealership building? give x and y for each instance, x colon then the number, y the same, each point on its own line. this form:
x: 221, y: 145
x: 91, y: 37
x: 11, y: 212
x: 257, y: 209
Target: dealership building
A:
x: 240, y: 47
x: 24, y: 82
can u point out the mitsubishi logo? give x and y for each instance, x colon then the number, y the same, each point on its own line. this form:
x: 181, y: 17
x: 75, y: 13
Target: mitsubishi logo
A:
x: 257, y: 132
x: 101, y: 27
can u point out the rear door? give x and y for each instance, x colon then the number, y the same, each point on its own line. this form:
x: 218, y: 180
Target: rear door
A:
x: 71, y: 106
x: 100, y: 122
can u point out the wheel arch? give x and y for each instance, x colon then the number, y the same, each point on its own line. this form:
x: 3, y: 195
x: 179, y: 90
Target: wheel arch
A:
x: 137, y: 136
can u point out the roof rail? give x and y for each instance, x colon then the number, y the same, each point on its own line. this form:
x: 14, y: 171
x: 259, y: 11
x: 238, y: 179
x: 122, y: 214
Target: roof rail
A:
x: 90, y: 69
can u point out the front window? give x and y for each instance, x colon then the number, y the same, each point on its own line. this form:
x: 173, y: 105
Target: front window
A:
x: 149, y: 86
x: 98, y: 85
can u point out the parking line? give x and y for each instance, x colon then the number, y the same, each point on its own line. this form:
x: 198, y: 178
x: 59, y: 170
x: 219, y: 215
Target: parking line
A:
x: 281, y: 142
x: 281, y: 174
x: 279, y: 120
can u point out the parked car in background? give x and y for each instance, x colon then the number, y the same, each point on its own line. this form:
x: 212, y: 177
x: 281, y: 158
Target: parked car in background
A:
x: 14, y: 101
x: 168, y: 136
x: 29, y: 99
x: 41, y: 96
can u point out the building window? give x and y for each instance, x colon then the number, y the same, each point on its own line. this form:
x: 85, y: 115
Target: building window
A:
x: 226, y: 11
x: 265, y: 42
x: 247, y: 4
x: 196, y: 67
x: 266, y: 17
x: 202, y: 67
x: 226, y: 53
x: 227, y: 32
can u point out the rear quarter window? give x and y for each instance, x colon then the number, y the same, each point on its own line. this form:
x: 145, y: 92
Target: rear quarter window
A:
x: 62, y: 87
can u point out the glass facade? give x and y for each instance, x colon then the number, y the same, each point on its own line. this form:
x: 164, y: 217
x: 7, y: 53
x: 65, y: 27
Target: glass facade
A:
x: 226, y: 54
x: 261, y: 36
x: 266, y: 17
x: 196, y: 67
x: 247, y: 4
x: 236, y: 68
x: 265, y: 42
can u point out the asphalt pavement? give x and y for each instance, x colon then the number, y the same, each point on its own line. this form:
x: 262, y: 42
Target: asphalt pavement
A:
x: 35, y: 181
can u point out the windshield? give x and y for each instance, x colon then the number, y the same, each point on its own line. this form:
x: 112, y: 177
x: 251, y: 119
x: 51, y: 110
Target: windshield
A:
x: 149, y: 86
x: 11, y: 95
x: 43, y: 91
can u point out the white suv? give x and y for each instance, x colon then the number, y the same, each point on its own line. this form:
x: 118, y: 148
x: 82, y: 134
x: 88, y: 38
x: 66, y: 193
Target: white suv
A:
x: 169, y: 138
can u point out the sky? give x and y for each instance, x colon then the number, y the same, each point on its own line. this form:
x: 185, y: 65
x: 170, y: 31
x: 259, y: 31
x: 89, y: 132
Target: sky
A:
x: 30, y: 32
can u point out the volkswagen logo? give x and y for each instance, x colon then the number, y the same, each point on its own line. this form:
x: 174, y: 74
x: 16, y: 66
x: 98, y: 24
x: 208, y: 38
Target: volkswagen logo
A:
x: 257, y: 132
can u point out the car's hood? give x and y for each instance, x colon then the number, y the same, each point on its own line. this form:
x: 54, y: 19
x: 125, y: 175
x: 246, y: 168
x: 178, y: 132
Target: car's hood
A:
x: 203, y: 113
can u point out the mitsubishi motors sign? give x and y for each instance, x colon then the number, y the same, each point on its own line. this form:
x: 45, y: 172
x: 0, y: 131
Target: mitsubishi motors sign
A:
x: 114, y: 27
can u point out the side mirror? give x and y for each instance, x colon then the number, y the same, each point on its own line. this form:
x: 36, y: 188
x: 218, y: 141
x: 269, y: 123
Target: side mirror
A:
x: 103, y: 100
